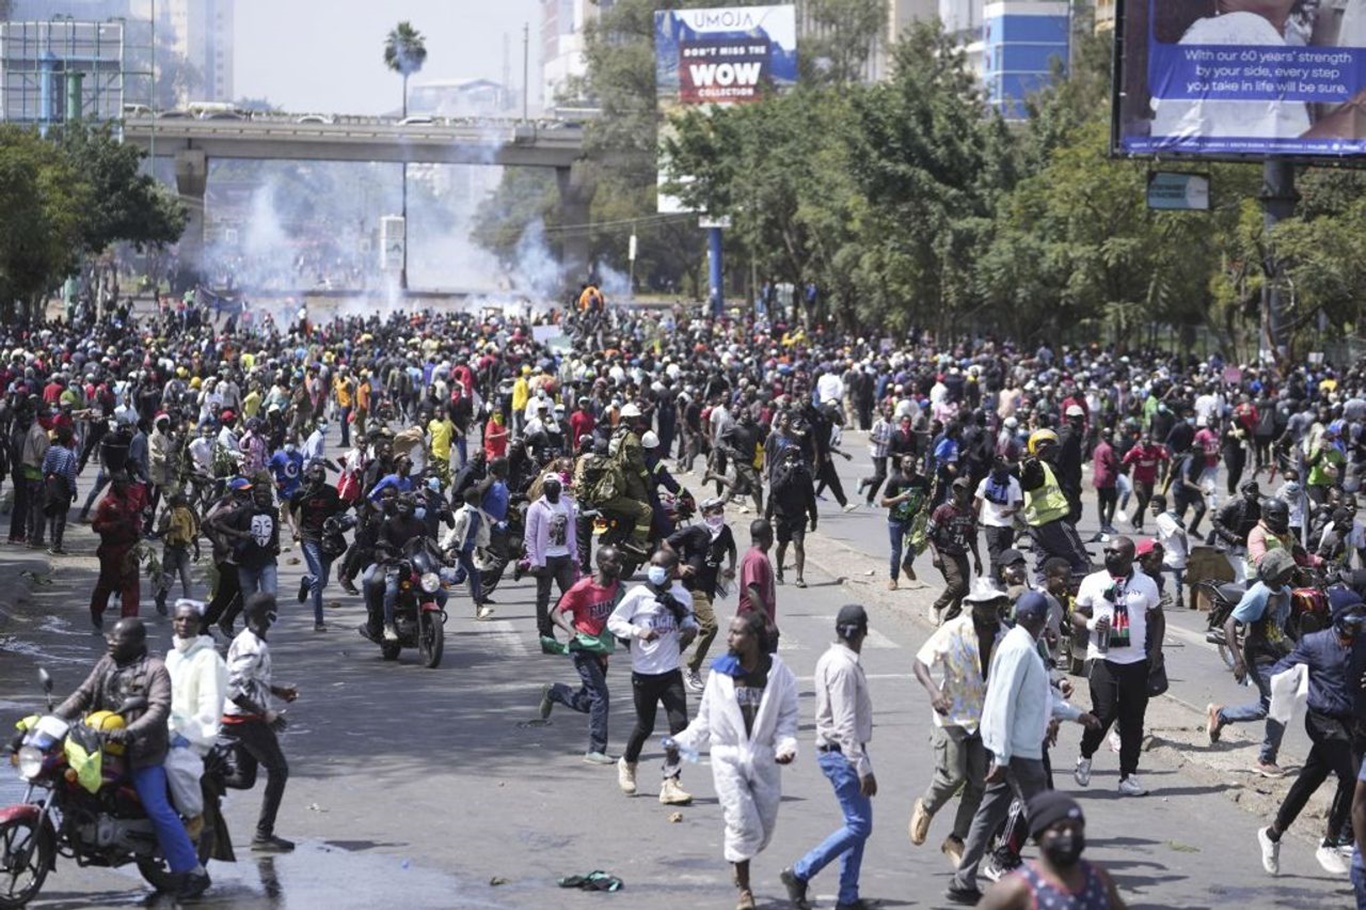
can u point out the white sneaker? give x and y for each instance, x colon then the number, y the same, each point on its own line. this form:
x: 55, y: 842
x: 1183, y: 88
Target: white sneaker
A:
x: 390, y: 633
x: 672, y: 794
x: 1130, y: 786
x: 1271, y: 852
x: 1082, y: 772
x: 1332, y: 861
x: 693, y: 680
x: 626, y: 776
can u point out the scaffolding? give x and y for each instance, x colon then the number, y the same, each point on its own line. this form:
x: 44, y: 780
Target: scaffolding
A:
x: 64, y: 69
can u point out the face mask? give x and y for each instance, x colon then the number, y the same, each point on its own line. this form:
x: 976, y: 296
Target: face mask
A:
x: 657, y: 575
x: 290, y: 448
x: 1064, y: 850
x: 1190, y: 421
x: 715, y: 523
x: 420, y: 514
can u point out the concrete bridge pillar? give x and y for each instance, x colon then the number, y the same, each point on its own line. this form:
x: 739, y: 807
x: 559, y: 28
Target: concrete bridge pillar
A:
x: 191, y: 180
x: 576, y: 194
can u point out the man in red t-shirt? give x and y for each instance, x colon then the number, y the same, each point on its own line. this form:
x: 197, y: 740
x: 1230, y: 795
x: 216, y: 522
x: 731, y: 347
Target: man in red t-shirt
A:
x: 581, y: 423
x: 582, y: 612
x: 757, y: 590
x: 1144, y: 462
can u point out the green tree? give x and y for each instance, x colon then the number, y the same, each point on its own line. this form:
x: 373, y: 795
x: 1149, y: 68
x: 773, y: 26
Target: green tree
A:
x: 405, y: 50
x: 44, y: 199
x: 125, y: 205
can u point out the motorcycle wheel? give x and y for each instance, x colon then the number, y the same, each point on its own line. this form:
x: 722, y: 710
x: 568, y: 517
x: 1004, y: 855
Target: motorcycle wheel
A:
x: 389, y: 650
x: 154, y: 870
x: 26, y: 854
x: 431, y: 639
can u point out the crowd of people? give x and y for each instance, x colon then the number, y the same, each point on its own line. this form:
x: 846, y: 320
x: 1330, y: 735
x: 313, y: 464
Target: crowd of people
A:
x: 363, y: 436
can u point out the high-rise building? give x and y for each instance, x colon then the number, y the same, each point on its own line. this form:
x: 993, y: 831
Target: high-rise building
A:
x: 1023, y: 41
x: 200, y: 31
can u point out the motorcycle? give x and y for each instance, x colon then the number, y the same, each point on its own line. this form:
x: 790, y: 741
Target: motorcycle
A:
x: 80, y: 803
x: 1308, y: 611
x: 419, y: 617
x: 615, y: 530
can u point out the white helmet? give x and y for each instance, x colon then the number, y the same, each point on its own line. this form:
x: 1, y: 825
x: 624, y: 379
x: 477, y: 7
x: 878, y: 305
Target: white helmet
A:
x: 630, y: 409
x: 649, y: 440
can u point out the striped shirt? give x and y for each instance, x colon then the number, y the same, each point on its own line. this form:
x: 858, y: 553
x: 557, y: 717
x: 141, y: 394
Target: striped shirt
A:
x: 61, y: 461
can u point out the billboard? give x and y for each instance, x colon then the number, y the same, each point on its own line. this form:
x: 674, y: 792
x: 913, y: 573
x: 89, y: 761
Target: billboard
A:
x: 1172, y: 191
x: 1215, y: 79
x: 721, y: 56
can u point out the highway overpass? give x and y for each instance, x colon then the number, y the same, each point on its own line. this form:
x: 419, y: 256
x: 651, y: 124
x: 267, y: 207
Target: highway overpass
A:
x: 194, y: 142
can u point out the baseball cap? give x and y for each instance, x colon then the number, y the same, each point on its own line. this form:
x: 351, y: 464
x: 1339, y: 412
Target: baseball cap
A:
x: 1031, y: 604
x: 1074, y: 410
x: 852, y: 615
x: 1010, y: 557
x: 238, y: 484
x: 1146, y: 546
x: 1342, y: 600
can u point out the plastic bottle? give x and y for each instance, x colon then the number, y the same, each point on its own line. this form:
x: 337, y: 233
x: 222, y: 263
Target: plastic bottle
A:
x: 687, y: 754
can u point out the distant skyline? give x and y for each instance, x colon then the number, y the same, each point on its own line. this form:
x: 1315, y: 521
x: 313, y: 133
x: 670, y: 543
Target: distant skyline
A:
x: 326, y: 56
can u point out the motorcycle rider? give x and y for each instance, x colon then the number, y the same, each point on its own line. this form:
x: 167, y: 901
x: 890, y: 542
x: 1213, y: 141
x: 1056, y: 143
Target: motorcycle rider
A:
x: 631, y: 501
x: 1234, y: 522
x: 1047, y: 507
x: 127, y: 669
x: 249, y: 723
x: 660, y: 524
x: 1272, y: 533
x: 381, y: 585
x: 199, y: 683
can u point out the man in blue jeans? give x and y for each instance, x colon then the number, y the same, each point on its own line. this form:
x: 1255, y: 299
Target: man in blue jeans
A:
x: 905, y: 496
x: 1262, y: 611
x: 125, y: 670
x: 844, y: 725
x: 309, y: 509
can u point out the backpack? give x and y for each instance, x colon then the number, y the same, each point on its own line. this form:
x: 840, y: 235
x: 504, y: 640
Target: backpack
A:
x: 603, y: 479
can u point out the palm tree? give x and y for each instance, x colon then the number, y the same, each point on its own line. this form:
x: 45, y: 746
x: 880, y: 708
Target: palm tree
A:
x: 405, y: 50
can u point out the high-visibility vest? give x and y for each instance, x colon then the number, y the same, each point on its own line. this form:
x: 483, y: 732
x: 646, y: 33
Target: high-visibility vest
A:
x: 1047, y: 502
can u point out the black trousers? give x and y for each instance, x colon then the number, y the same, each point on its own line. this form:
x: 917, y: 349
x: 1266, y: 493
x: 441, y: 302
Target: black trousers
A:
x: 1119, y: 694
x: 649, y: 691
x: 998, y: 541
x: 226, y: 602
x: 255, y: 745
x: 557, y: 569
x: 1331, y: 753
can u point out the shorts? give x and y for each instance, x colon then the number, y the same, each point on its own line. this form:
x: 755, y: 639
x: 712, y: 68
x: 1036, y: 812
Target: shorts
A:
x: 789, y: 529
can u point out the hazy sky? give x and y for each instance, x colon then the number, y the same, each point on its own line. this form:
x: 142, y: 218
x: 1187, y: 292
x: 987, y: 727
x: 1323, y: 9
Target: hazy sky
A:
x: 327, y: 55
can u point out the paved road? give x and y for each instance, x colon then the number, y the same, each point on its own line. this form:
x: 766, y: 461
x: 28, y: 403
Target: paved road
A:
x: 429, y: 785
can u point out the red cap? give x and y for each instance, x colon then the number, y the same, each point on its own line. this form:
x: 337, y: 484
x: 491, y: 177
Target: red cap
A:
x: 1146, y: 546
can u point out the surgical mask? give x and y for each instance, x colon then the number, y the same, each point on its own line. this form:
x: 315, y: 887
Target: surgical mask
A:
x: 1190, y: 421
x: 1064, y: 849
x: 291, y: 448
x: 420, y: 513
x: 657, y: 575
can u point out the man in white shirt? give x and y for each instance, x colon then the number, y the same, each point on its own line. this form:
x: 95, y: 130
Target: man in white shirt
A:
x: 959, y: 651
x: 1020, y: 704
x: 657, y: 619
x: 1119, y: 606
x: 1171, y: 533
x: 997, y: 501
x: 844, y: 725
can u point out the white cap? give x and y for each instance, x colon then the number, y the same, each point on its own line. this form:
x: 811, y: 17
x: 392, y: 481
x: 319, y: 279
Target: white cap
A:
x: 1074, y: 410
x: 650, y: 440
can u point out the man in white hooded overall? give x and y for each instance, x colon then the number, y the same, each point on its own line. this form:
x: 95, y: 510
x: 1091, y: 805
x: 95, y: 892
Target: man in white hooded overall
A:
x: 748, y: 713
x: 199, y: 683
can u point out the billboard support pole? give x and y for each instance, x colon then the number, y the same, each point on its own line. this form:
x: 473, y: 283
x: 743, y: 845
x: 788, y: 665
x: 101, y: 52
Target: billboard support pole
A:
x: 1278, y: 198
x: 714, y: 271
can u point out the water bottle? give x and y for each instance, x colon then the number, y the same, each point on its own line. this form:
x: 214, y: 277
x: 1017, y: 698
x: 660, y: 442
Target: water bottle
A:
x: 1103, y: 639
x: 687, y: 753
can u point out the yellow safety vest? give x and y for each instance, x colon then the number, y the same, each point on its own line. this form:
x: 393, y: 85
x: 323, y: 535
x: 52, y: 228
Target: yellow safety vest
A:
x: 1045, y: 503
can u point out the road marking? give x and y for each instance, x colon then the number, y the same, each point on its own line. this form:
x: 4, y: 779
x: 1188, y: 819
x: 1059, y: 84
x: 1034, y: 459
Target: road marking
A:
x: 502, y: 637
